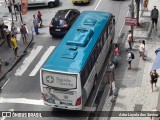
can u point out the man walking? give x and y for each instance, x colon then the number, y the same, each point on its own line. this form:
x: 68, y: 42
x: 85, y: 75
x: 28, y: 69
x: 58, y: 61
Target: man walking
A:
x: 9, y: 4
x: 35, y: 24
x: 154, y: 17
x: 23, y: 33
x: 7, y: 35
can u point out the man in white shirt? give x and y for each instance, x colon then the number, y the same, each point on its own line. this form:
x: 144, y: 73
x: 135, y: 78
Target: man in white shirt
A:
x: 129, y: 59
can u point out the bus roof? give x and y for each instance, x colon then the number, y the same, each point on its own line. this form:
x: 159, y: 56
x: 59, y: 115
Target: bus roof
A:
x: 74, y: 49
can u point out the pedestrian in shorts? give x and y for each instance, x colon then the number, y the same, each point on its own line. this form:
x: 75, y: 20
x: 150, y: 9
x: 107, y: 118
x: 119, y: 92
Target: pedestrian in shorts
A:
x: 154, y: 77
x: 23, y: 33
x: 129, y: 59
x: 14, y: 45
x: 130, y: 40
x: 154, y: 17
x: 142, y: 49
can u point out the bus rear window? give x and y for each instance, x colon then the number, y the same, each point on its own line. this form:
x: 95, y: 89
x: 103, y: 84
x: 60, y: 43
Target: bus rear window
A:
x: 59, y: 80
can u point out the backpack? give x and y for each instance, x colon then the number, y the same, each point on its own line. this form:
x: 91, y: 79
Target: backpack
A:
x: 132, y: 55
x: 154, y: 13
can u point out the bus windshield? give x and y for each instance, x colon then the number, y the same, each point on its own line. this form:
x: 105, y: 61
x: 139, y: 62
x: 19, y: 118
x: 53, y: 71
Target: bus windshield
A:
x: 59, y: 80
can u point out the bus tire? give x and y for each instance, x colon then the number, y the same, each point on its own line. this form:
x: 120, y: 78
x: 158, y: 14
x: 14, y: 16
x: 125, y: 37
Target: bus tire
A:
x: 95, y: 81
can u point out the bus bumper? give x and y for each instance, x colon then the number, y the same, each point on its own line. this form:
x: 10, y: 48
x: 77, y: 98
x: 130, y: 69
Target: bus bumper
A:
x: 64, y: 106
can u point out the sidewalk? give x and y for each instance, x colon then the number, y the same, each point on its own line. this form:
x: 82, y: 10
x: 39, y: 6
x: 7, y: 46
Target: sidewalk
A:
x: 134, y: 88
x: 6, y: 53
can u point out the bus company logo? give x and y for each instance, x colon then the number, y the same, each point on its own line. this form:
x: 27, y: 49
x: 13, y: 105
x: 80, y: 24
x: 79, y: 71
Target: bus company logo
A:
x: 65, y: 97
x: 6, y: 114
x: 49, y: 79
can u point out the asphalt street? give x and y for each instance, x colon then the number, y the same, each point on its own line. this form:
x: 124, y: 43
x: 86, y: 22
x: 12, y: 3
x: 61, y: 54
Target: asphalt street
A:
x: 22, y: 91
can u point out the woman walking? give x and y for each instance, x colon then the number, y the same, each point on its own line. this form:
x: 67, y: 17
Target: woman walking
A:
x: 154, y: 77
x: 14, y: 45
x: 142, y: 49
x: 145, y: 5
x: 39, y: 16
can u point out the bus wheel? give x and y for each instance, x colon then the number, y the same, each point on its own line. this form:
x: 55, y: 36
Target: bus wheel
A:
x: 95, y: 81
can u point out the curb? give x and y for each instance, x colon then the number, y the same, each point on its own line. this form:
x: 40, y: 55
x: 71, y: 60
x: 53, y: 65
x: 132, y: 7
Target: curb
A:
x: 12, y: 66
x: 2, y: 42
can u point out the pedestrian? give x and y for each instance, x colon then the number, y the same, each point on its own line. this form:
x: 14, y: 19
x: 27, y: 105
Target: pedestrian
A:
x: 14, y: 29
x: 39, y: 16
x: 154, y: 17
x: 7, y: 35
x: 111, y: 80
x: 23, y: 33
x: 130, y: 39
x: 1, y: 66
x: 9, y: 5
x: 141, y: 3
x: 142, y: 49
x: 116, y: 50
x: 153, y: 117
x: 145, y: 5
x: 35, y: 24
x: 154, y: 77
x: 129, y: 59
x: 14, y: 45
x: 111, y: 66
x: 116, y: 57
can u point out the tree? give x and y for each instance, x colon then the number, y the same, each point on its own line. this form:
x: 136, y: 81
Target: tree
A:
x: 138, y: 7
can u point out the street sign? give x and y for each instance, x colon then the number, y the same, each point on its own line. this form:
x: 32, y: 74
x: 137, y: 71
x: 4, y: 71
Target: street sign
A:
x: 24, y: 6
x: 131, y: 21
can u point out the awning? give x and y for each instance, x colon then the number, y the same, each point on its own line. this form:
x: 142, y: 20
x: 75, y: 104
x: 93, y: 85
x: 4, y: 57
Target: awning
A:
x: 156, y: 64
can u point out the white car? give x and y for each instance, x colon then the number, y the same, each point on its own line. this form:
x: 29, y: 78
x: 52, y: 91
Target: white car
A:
x: 36, y: 3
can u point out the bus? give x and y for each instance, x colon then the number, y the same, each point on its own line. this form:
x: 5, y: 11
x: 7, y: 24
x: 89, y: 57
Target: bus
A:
x: 71, y: 71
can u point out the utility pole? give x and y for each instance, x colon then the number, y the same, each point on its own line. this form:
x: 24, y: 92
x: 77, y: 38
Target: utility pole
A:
x: 10, y: 7
x: 131, y: 9
x: 13, y: 1
x: 20, y: 12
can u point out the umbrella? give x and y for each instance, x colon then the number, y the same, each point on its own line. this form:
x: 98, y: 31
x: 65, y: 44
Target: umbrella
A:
x: 156, y: 64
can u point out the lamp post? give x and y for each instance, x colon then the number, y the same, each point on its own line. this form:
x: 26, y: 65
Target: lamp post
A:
x: 131, y: 9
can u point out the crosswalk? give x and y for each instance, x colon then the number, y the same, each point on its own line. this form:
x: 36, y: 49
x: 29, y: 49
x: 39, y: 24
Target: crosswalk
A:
x: 30, y: 58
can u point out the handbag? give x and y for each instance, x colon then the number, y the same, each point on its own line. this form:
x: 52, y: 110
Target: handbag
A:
x: 113, y: 86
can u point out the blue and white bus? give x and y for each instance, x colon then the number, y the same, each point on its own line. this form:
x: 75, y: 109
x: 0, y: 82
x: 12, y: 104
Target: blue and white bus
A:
x: 70, y: 72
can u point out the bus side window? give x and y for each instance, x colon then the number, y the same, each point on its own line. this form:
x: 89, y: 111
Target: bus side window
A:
x: 101, y: 42
x: 102, y: 39
x: 89, y: 66
x: 96, y: 52
x: 86, y: 73
x: 105, y: 35
x: 109, y: 29
x: 82, y: 78
x: 92, y: 59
